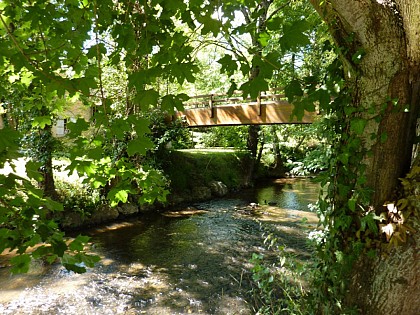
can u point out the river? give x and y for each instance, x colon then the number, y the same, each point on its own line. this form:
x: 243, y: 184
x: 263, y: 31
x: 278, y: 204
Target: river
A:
x: 191, y: 261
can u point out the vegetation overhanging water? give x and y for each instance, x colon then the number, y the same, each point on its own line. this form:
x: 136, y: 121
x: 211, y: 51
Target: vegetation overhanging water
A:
x: 191, y: 261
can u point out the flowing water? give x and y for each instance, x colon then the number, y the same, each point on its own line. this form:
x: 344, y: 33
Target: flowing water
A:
x: 191, y: 261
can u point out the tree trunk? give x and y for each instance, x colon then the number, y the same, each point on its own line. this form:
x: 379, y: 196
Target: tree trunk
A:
x: 387, y: 80
x: 253, y: 131
x: 45, y: 150
x: 48, y: 183
x: 278, y: 167
x: 252, y: 146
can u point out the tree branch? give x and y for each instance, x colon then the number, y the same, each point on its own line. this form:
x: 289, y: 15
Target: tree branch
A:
x: 278, y: 10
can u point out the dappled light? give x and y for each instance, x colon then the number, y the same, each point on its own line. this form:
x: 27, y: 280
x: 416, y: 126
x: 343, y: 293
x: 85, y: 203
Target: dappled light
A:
x: 189, y: 260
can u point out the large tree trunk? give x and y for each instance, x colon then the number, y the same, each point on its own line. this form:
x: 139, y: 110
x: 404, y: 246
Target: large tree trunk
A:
x: 388, y: 70
x: 387, y: 34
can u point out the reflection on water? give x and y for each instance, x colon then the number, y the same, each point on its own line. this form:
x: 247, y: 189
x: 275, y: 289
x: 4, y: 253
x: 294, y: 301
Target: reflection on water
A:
x: 191, y: 264
x: 287, y: 193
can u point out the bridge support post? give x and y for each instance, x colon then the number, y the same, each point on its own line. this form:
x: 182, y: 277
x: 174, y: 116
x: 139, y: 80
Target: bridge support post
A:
x: 211, y: 106
x: 259, y: 104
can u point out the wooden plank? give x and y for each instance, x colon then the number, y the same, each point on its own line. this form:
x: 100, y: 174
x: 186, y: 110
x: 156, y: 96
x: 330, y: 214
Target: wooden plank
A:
x: 244, y: 114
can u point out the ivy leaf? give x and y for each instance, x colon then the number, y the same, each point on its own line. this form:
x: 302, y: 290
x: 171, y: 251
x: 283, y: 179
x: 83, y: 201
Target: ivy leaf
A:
x: 348, y: 110
x: 344, y: 158
x: 358, y: 125
x: 383, y: 137
x: 369, y: 221
x: 352, y: 204
x: 358, y: 56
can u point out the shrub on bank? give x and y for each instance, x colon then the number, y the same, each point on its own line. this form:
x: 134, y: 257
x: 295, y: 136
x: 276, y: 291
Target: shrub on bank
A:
x: 187, y: 169
x: 78, y: 197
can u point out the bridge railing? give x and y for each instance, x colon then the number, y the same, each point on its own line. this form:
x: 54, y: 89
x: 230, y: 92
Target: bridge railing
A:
x: 214, y: 100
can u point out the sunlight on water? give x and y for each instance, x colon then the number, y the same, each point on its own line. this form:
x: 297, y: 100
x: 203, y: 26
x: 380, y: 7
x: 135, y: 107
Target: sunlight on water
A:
x: 193, y: 261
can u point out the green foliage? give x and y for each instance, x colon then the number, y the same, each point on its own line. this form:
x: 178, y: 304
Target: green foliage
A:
x: 301, y: 148
x: 395, y: 222
x: 58, y: 49
x: 164, y: 135
x: 187, y: 168
x: 294, y: 37
x: 225, y: 137
x: 278, y: 285
x: 51, y: 51
x: 78, y: 197
x: 26, y: 226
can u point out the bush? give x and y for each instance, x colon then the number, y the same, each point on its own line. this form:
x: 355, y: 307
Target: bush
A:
x: 314, y: 161
x: 78, y: 197
x: 186, y: 169
x: 225, y: 137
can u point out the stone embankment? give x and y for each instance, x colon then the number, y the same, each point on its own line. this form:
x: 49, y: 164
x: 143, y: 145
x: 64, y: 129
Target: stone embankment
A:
x: 105, y: 213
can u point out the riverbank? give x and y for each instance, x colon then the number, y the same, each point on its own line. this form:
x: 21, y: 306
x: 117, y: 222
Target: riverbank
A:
x: 193, y: 176
x: 197, y: 175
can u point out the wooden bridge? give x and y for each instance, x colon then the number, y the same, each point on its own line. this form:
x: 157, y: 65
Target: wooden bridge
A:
x: 222, y: 110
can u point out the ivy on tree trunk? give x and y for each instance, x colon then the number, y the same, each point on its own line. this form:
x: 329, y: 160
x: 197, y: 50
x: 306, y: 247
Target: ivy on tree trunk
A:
x: 379, y: 49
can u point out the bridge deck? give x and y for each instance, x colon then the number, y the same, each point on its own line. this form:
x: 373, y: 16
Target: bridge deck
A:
x: 220, y: 110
